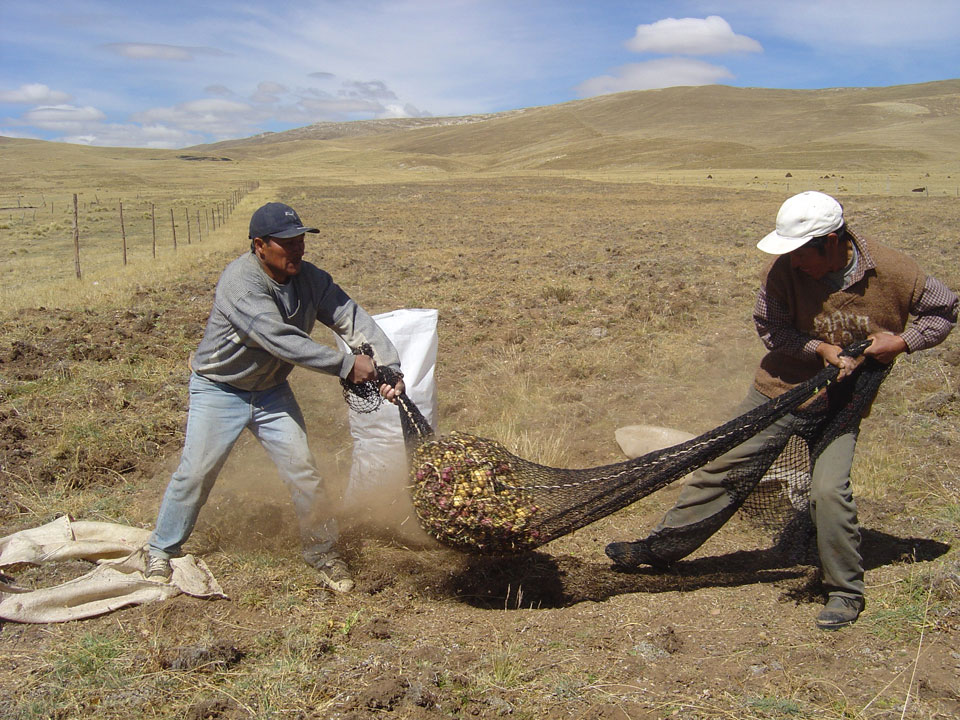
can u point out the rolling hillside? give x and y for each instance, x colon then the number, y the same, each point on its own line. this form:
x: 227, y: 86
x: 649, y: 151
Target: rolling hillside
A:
x: 675, y: 128
x: 906, y: 131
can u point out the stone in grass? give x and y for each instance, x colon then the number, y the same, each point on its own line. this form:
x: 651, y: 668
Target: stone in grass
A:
x: 205, y: 657
x: 637, y: 440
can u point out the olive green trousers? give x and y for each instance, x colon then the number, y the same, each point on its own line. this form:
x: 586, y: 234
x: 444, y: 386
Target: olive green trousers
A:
x: 832, y: 507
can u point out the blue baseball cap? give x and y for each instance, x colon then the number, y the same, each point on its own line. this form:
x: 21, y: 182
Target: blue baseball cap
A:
x: 277, y: 220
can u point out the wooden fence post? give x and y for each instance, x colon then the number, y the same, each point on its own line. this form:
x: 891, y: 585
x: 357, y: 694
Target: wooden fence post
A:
x: 173, y: 227
x: 123, y: 234
x: 76, y: 236
x: 186, y: 219
x: 199, y: 231
x: 153, y: 224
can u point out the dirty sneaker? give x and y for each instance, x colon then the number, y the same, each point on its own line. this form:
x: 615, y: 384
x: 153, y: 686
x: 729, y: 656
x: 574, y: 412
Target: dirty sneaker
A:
x: 335, y: 574
x: 158, y: 568
x: 840, y: 611
x: 632, y: 554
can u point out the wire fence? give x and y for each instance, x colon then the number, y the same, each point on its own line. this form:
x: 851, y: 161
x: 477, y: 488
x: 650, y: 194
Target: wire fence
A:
x: 39, y: 231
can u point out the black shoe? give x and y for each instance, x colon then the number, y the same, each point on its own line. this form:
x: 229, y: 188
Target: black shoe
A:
x: 632, y: 554
x: 840, y: 611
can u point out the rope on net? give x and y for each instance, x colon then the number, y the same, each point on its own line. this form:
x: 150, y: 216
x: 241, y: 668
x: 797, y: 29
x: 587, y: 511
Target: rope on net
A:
x: 473, y: 494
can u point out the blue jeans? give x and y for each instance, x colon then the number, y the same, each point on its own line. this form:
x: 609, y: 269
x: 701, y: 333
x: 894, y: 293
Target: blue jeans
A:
x: 218, y: 414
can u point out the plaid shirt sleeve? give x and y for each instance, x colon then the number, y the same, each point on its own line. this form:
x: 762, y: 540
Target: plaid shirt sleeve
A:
x: 935, y: 315
x: 775, y: 327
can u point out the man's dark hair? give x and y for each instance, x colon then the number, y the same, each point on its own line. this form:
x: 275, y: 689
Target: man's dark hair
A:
x: 820, y: 243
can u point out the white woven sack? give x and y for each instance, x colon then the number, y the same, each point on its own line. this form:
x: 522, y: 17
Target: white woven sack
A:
x: 379, y: 457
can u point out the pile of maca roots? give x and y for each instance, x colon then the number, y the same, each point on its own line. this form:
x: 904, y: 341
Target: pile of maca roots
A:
x: 466, y: 495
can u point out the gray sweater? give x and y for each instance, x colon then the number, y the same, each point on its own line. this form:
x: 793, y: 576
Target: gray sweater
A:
x: 258, y: 330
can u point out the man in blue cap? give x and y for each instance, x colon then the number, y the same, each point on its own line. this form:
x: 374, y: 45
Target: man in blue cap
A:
x: 265, y: 307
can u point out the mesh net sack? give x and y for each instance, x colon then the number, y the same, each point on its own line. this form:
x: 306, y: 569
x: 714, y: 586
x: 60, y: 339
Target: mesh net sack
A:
x: 772, y: 487
x: 473, y: 494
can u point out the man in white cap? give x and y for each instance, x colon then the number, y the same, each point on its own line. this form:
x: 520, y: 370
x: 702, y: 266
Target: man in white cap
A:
x: 827, y: 289
x: 266, y: 304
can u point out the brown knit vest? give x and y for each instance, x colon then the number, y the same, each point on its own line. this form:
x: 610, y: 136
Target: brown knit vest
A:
x: 879, y: 301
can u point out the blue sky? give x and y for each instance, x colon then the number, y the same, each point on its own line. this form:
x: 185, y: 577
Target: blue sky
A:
x: 171, y: 74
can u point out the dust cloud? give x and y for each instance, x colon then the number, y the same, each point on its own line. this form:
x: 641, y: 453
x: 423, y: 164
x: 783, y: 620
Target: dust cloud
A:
x: 250, y: 510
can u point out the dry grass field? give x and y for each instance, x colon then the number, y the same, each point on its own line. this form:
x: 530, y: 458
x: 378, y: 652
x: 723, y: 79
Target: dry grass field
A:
x: 575, y: 296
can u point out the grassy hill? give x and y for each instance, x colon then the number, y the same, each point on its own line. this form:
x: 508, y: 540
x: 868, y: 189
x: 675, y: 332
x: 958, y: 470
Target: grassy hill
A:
x: 905, y: 132
x: 705, y: 127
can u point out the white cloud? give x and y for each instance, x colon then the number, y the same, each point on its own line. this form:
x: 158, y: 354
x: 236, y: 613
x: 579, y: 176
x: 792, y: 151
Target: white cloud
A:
x: 126, y: 135
x: 371, y: 89
x: 221, y: 90
x: 35, y: 94
x: 336, y: 108
x: 274, y: 88
x: 370, y: 99
x: 271, y: 101
x: 62, y: 118
x: 199, y: 121
x: 691, y: 36
x: 157, y: 51
x: 268, y: 93
x: 462, y: 56
x: 221, y: 118
x: 396, y: 110
x: 661, y: 73
x: 884, y: 24
x: 86, y: 126
x: 4, y: 132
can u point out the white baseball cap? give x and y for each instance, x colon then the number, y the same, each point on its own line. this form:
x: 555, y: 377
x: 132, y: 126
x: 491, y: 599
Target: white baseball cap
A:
x: 801, y: 218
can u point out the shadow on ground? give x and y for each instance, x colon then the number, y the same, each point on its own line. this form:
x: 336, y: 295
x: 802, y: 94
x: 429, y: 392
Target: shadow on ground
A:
x: 539, y: 580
